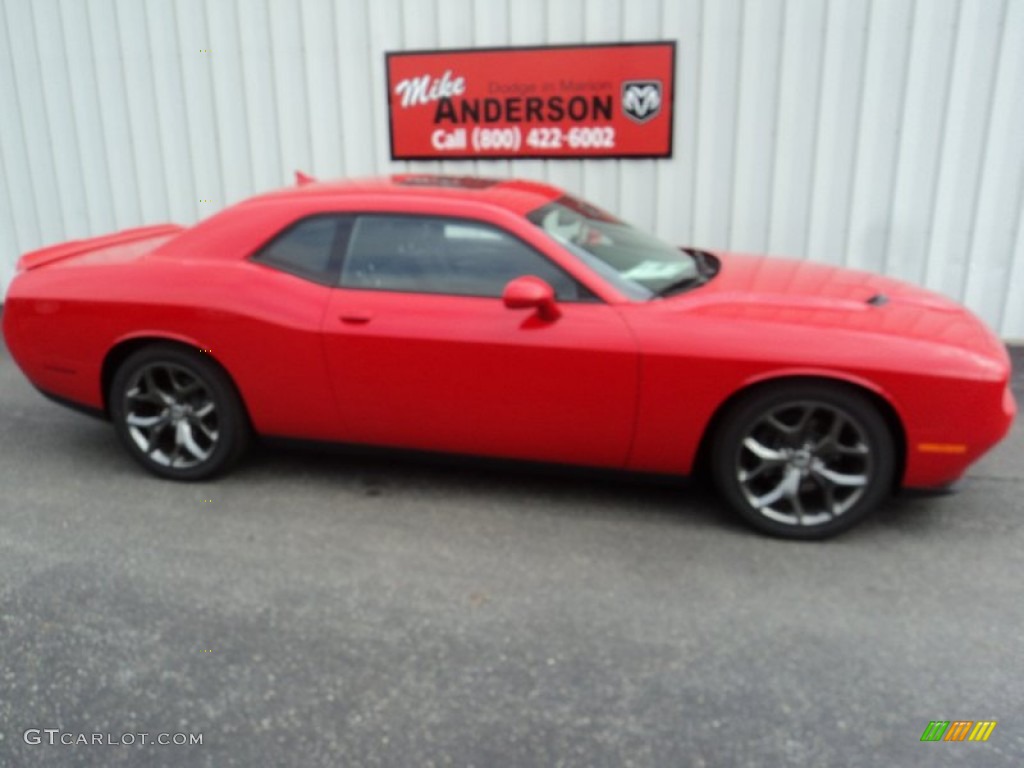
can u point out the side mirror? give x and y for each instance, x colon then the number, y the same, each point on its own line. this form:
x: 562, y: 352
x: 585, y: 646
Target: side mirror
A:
x: 529, y: 292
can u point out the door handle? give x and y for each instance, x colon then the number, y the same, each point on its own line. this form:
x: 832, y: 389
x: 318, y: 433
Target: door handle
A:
x: 356, y: 317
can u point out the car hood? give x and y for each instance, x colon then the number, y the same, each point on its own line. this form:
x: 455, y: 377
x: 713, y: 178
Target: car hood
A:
x: 788, y: 291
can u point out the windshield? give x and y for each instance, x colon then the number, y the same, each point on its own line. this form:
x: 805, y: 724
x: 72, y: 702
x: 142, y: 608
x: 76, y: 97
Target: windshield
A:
x: 638, y: 264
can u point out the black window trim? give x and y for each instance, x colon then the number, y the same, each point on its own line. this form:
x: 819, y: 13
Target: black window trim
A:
x: 590, y: 298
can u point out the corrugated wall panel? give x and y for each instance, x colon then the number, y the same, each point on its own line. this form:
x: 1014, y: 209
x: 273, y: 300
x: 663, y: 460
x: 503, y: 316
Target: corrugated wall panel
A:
x: 638, y: 180
x: 36, y: 178
x: 757, y: 119
x: 973, y: 74
x: 883, y: 134
x: 681, y: 21
x: 112, y: 100
x: 997, y: 216
x: 138, y: 64
x: 842, y: 89
x: 715, y: 120
x: 798, y: 107
x: 1009, y: 104
x: 878, y: 131
x: 19, y: 220
x: 602, y: 21
x: 922, y: 128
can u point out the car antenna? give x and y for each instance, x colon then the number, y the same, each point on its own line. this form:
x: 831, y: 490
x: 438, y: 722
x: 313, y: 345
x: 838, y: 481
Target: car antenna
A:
x: 302, y: 179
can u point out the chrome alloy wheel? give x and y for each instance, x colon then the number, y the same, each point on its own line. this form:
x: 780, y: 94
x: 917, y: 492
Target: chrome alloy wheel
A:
x: 170, y: 415
x: 804, y: 463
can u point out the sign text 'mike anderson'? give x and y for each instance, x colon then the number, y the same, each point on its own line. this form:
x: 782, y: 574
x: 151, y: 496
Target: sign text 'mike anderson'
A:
x: 424, y: 89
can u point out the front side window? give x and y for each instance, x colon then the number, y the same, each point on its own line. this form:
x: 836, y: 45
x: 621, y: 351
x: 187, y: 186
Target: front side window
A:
x: 310, y: 248
x: 637, y: 263
x: 423, y: 254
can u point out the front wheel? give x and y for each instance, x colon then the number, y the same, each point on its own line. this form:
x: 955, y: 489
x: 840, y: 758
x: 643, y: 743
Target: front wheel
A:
x: 803, y: 461
x: 177, y: 413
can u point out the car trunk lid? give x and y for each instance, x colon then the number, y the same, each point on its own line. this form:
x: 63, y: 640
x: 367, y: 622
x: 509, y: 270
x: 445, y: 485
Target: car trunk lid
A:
x: 124, y: 245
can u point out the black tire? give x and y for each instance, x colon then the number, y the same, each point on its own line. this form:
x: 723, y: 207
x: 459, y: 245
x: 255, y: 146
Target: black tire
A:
x: 803, y: 460
x: 177, y: 413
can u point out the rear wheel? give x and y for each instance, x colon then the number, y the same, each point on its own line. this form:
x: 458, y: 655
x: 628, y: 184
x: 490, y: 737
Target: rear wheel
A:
x: 177, y: 413
x: 804, y: 461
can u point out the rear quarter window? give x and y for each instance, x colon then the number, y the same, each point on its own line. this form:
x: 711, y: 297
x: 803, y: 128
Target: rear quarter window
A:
x: 310, y: 248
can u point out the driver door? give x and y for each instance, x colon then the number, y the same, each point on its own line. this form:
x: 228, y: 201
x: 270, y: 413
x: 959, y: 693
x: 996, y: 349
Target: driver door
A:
x: 422, y: 352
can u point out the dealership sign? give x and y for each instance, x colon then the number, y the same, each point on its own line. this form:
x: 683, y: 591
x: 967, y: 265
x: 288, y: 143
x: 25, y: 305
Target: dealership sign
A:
x: 609, y: 100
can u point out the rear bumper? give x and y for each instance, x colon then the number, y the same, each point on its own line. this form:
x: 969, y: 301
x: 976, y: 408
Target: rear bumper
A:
x: 88, y: 410
x: 54, y: 363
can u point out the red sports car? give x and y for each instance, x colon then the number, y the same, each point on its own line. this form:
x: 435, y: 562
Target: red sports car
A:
x: 510, y: 319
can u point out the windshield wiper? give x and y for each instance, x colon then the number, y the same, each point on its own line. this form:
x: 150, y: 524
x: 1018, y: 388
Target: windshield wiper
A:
x: 680, y: 285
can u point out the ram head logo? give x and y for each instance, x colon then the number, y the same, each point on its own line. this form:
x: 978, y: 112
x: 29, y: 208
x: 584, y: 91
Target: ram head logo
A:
x: 641, y: 99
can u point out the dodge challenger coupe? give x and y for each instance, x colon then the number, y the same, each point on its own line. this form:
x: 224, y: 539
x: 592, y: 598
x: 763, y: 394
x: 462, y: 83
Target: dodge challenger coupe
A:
x: 509, y: 319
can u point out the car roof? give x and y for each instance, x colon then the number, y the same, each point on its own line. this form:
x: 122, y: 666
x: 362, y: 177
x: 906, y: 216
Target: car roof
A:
x: 517, y: 195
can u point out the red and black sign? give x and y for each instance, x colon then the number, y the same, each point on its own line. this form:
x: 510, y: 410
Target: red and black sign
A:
x: 607, y: 100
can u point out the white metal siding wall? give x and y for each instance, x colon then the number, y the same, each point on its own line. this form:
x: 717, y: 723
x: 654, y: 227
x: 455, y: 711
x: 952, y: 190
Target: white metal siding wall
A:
x: 884, y: 134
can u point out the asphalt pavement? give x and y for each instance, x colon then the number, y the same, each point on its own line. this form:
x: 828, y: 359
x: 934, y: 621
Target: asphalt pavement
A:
x: 316, y: 609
